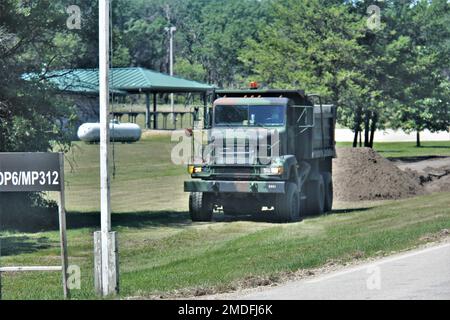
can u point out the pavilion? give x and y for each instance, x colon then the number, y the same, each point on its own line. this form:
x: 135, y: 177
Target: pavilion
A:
x: 126, y: 81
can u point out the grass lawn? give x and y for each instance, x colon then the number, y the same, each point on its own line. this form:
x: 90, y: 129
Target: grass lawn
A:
x: 162, y: 251
x: 145, y: 178
x: 408, y: 149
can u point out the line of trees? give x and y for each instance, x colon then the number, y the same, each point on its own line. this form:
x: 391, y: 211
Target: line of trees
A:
x: 396, y: 75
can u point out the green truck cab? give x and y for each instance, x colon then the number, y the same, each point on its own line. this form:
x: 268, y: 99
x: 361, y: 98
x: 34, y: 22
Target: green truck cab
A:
x: 270, y: 149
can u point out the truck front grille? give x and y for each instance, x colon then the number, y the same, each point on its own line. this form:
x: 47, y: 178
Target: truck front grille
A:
x: 234, y: 171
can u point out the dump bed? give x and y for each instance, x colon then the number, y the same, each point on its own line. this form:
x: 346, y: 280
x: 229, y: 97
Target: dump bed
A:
x: 323, y: 133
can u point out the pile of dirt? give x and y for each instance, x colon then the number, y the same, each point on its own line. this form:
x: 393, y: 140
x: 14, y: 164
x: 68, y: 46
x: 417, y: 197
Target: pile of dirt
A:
x: 432, y: 171
x: 362, y: 174
x: 436, y: 179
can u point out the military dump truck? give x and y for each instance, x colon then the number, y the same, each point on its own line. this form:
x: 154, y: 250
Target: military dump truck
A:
x: 287, y: 174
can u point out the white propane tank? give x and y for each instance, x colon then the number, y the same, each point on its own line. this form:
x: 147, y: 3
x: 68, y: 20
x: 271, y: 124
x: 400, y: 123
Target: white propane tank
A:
x: 119, y: 132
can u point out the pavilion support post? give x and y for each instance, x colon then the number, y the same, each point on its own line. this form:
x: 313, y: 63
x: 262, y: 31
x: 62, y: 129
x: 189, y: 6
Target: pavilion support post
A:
x: 147, y: 111
x: 155, y: 115
x: 205, y: 111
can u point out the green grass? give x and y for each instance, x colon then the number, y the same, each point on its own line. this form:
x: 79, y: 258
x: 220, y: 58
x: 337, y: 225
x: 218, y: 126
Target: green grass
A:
x: 162, y: 251
x: 144, y: 177
x: 408, y: 149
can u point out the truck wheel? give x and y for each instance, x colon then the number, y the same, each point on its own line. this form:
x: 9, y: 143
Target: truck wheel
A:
x: 328, y: 182
x: 200, y: 206
x: 287, y: 205
x: 315, y: 197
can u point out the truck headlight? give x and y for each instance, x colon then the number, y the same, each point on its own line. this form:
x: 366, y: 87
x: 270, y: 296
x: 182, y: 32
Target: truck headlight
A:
x: 273, y: 171
x: 196, y: 169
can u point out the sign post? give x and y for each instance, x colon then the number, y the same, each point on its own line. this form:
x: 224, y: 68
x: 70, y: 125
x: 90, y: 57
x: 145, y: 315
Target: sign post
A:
x: 37, y: 172
x: 62, y: 227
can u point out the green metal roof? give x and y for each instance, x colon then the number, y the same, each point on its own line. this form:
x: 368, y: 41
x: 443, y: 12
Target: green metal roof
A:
x: 122, y: 80
x: 140, y: 79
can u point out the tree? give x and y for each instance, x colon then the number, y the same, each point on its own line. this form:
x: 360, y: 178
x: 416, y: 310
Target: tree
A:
x: 393, y: 75
x: 30, y: 112
x: 188, y: 70
x: 316, y: 45
x: 420, y: 58
x: 209, y: 34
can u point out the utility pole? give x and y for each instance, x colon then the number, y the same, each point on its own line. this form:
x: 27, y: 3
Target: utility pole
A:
x: 106, y: 249
x: 171, y: 31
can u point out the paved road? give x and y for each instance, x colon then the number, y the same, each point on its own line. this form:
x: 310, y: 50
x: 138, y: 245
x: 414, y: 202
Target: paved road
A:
x: 420, y: 274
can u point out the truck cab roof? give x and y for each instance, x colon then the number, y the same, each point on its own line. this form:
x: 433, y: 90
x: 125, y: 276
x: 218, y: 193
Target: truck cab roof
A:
x: 297, y: 96
x: 258, y: 101
x: 262, y: 92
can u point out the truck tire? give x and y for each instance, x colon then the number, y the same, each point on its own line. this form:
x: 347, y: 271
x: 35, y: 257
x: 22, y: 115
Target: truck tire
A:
x: 200, y: 206
x: 328, y: 182
x: 287, y: 205
x: 315, y: 197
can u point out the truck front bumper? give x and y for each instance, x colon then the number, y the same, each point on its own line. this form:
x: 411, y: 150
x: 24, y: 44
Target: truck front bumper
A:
x: 235, y: 186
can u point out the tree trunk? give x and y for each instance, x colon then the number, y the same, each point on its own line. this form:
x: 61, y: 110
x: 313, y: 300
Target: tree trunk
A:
x: 373, y: 128
x: 357, y: 126
x: 366, y: 129
x: 418, y: 143
x: 355, y: 139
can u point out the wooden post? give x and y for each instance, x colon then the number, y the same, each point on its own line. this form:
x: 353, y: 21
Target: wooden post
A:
x: 32, y: 268
x: 147, y: 111
x: 155, y: 116
x: 98, y: 262
x: 113, y: 262
x: 205, y: 111
x: 62, y: 229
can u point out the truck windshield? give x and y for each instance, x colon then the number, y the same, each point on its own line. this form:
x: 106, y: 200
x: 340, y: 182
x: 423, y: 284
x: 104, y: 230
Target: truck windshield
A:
x: 249, y: 116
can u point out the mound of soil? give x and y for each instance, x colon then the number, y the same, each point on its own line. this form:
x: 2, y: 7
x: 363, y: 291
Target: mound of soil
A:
x: 432, y: 171
x: 436, y: 179
x: 362, y: 174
